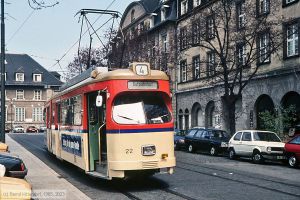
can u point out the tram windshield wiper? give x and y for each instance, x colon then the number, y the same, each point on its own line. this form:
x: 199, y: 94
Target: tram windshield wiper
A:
x: 128, y: 118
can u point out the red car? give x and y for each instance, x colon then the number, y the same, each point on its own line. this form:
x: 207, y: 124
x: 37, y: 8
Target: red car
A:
x: 32, y: 129
x: 292, y: 150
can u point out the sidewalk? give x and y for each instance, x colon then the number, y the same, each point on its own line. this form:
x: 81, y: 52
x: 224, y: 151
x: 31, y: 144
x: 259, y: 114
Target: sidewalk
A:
x: 45, y: 182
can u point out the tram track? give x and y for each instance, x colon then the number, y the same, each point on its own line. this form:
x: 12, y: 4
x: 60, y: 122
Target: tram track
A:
x: 241, y: 174
x: 245, y: 182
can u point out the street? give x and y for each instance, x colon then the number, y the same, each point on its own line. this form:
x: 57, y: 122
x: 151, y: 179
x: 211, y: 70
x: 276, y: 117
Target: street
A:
x: 197, y: 176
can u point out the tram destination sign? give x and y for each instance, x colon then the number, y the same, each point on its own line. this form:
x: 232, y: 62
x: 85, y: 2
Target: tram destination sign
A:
x: 141, y: 85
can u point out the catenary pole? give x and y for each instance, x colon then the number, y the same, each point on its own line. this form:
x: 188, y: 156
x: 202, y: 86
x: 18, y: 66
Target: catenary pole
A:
x: 2, y: 131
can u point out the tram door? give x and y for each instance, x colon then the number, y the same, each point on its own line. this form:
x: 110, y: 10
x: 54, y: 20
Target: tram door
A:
x: 97, y: 134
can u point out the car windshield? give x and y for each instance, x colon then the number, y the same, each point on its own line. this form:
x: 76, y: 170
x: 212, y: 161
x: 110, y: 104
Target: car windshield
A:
x: 266, y: 136
x: 179, y: 132
x: 141, y: 108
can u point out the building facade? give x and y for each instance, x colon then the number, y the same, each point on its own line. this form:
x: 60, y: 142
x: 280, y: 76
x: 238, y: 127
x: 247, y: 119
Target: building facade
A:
x: 276, y: 81
x: 28, y: 87
x: 189, y: 42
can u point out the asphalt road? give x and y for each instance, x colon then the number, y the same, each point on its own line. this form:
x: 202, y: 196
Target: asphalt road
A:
x: 197, y: 176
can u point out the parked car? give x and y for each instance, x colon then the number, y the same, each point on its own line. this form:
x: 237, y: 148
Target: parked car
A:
x: 18, y: 129
x: 259, y: 145
x: 32, y: 129
x: 3, y: 147
x: 179, y: 139
x: 15, y: 167
x: 42, y: 129
x: 214, y: 141
x: 13, y: 188
x: 292, y: 151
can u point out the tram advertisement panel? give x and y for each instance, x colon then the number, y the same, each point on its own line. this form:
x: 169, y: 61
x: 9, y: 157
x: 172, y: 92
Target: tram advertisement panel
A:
x: 71, y: 144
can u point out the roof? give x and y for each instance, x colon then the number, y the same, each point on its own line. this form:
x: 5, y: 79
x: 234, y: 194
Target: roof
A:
x: 119, y: 74
x: 25, y: 64
x: 148, y: 5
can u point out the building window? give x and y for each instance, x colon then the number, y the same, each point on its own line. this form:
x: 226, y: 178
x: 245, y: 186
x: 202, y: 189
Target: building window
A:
x: 20, y: 94
x: 37, y: 77
x: 263, y: 47
x: 164, y: 39
x: 196, y: 67
x: 183, y: 72
x: 197, y: 3
x: 184, y: 7
x: 20, y: 114
x: 288, y: 2
x: 20, y: 77
x: 210, y: 27
x: 37, y: 95
x: 241, y: 16
x: 37, y: 114
x: 241, y: 54
x: 292, y: 40
x: 263, y: 7
x: 132, y: 15
x: 183, y: 38
x: 196, y: 33
x: 211, y: 60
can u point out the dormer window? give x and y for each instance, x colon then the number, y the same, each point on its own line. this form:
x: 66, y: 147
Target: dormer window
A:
x: 197, y: 3
x: 184, y: 7
x: 20, y: 77
x: 37, y: 77
x: 163, y: 13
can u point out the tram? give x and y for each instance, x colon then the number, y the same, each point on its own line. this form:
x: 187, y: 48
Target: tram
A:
x: 113, y: 124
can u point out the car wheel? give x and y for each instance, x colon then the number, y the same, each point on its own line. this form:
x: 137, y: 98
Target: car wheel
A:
x: 213, y: 151
x: 257, y: 157
x: 292, y: 161
x: 231, y: 154
x: 191, y: 148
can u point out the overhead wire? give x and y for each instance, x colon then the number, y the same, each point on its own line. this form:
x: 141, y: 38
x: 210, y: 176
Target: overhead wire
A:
x: 20, y: 27
x: 82, y: 35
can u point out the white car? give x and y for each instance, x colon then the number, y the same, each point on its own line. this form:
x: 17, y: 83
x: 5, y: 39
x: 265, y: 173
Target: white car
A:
x: 259, y: 145
x: 18, y: 129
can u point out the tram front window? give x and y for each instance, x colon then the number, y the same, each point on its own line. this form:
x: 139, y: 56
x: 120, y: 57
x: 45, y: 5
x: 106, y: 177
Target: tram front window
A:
x: 140, y: 109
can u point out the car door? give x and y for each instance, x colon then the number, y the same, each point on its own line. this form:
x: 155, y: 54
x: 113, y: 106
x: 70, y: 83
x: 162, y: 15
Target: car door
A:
x: 189, y: 138
x: 294, y: 146
x: 246, y: 144
x: 236, y: 143
x: 198, y: 139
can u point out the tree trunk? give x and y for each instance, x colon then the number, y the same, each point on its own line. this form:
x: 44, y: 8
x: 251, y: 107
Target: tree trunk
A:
x: 229, y: 112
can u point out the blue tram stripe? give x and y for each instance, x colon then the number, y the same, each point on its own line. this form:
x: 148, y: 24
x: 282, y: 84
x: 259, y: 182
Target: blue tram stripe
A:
x: 139, y: 130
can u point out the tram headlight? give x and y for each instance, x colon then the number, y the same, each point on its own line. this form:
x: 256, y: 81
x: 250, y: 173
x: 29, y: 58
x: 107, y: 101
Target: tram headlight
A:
x: 148, y: 150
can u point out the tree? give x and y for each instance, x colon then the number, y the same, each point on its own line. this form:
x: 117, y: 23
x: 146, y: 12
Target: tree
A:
x: 239, y: 38
x: 139, y: 44
x: 39, y: 4
x: 81, y: 61
x: 279, y: 120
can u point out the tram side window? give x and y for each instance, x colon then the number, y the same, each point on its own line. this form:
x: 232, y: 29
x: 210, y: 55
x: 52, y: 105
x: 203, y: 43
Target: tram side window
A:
x: 48, y: 117
x: 71, y: 111
x: 58, y: 112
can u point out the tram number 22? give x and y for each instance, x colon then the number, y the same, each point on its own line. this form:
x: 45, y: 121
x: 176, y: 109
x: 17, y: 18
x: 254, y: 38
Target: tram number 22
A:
x: 128, y: 151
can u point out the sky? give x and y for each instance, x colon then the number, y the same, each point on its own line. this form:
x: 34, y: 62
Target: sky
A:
x: 48, y: 34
